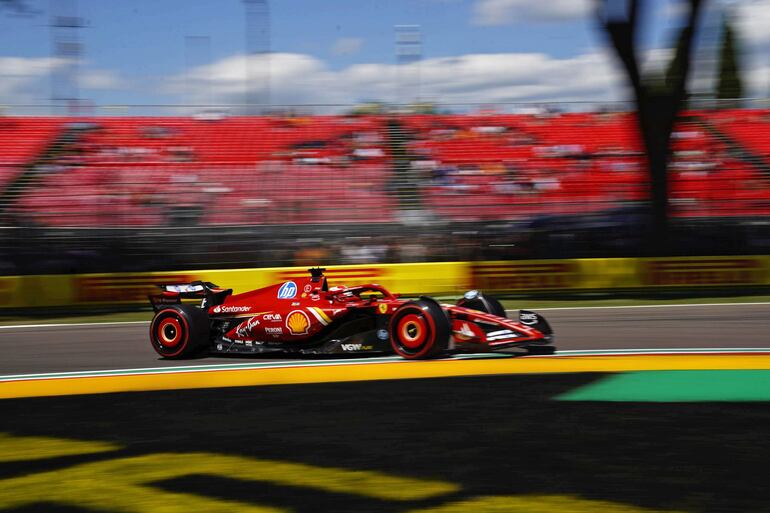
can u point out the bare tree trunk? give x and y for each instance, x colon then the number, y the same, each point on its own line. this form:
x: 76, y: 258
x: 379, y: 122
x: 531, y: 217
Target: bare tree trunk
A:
x: 658, y: 102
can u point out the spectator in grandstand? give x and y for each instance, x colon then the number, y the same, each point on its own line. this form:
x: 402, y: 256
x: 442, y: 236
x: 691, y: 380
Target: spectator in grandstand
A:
x: 353, y: 253
x: 315, y: 254
x: 410, y: 249
x: 546, y: 181
x: 443, y: 174
x: 506, y: 185
x: 179, y: 154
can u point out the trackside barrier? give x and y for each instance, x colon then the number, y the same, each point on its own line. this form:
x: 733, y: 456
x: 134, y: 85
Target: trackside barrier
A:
x: 132, y: 288
x: 607, y: 274
x: 444, y: 278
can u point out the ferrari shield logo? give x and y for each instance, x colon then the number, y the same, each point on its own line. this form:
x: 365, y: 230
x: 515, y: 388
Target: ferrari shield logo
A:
x: 383, y: 308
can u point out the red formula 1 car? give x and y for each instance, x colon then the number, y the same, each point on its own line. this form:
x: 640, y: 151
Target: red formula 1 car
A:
x: 308, y: 317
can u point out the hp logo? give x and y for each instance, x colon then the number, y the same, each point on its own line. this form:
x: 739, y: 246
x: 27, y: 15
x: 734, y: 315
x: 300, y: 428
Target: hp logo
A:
x: 288, y: 290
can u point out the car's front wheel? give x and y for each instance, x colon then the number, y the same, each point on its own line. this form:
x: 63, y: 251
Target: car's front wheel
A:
x: 420, y: 330
x: 179, y: 331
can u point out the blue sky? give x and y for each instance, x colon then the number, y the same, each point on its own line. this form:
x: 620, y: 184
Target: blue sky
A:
x: 133, y: 31
x: 325, y: 51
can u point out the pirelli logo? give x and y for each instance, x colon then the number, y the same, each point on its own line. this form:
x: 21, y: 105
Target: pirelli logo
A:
x: 337, y: 276
x: 733, y: 271
x: 119, y: 289
x: 525, y: 276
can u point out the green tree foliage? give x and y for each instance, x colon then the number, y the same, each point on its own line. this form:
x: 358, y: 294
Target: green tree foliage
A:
x: 674, y: 70
x: 730, y: 84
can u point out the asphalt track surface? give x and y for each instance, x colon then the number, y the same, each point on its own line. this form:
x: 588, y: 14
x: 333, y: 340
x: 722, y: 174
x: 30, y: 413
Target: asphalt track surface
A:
x: 62, y: 348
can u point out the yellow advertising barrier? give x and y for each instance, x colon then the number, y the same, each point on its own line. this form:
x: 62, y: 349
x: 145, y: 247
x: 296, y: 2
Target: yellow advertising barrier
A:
x: 432, y: 278
x: 36, y: 291
x: 712, y: 271
x: 555, y: 275
x: 442, y: 278
x: 127, y: 288
x: 602, y: 274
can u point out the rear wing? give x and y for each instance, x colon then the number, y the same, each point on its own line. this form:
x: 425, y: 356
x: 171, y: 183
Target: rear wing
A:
x: 207, y: 292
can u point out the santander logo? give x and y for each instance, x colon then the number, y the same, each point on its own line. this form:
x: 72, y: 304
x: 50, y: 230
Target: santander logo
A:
x: 231, y: 309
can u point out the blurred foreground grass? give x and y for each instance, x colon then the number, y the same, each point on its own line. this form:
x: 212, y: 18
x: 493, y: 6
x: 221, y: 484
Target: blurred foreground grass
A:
x: 511, y: 304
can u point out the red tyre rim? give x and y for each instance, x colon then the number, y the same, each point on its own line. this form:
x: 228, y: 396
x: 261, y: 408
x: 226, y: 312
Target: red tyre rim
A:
x: 412, y: 330
x: 169, y: 332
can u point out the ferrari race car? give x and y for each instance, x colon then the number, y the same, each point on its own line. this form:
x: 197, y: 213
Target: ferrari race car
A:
x: 307, y: 317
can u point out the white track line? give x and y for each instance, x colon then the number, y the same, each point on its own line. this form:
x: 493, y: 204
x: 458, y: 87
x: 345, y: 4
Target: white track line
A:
x: 70, y: 324
x: 261, y: 365
x: 641, y: 306
x: 117, y: 323
x: 197, y: 368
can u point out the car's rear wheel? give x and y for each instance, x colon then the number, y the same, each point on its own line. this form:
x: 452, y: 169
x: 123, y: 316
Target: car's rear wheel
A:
x: 475, y: 300
x: 179, y: 331
x: 420, y: 330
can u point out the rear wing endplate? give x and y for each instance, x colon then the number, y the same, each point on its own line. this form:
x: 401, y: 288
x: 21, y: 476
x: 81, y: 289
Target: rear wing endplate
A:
x: 174, y: 293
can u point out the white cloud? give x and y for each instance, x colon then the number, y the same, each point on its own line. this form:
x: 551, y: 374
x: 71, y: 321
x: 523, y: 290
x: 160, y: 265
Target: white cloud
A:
x: 752, y: 19
x: 25, y: 79
x: 676, y: 10
x: 101, y: 79
x: 347, y: 46
x: 292, y: 77
x: 473, y: 78
x: 656, y: 61
x: 503, y: 12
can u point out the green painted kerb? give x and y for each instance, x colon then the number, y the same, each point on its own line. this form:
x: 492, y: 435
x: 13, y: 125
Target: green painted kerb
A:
x: 677, y: 386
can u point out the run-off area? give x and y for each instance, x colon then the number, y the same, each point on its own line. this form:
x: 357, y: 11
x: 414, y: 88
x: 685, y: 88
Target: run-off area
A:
x: 441, y: 445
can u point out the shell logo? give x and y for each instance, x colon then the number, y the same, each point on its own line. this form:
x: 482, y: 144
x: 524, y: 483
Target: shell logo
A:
x: 297, y: 322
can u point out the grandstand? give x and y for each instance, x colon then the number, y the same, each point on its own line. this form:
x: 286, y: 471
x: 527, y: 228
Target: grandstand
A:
x: 145, y: 171
x: 149, y: 171
x: 453, y: 170
x: 22, y: 141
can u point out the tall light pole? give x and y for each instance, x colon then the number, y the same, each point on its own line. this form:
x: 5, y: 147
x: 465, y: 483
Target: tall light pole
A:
x: 257, y: 73
x: 408, y: 54
x: 67, y: 50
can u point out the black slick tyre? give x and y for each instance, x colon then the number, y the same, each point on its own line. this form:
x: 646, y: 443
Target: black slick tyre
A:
x: 179, y: 331
x: 420, y: 330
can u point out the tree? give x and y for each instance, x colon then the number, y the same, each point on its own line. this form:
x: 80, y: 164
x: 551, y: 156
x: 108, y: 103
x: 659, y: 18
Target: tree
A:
x: 730, y: 85
x: 658, y: 98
